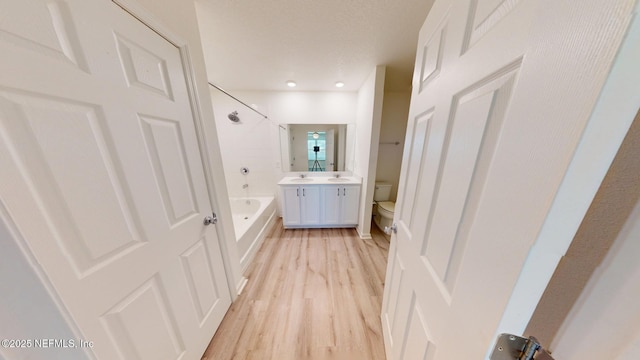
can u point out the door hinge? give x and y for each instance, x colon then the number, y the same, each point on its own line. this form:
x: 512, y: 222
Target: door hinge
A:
x: 513, y: 347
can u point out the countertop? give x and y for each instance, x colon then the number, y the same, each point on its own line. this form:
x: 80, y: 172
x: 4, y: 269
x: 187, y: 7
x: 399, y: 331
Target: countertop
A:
x: 320, y: 180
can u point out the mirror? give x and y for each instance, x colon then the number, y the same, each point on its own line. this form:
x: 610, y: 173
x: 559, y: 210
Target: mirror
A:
x: 314, y: 147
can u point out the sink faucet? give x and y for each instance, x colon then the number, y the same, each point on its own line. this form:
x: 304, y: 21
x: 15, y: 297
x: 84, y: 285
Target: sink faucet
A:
x: 244, y: 186
x: 302, y: 176
x: 337, y: 176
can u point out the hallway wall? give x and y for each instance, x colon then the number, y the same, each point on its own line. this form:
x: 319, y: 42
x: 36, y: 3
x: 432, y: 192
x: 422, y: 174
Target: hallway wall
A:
x: 395, y: 112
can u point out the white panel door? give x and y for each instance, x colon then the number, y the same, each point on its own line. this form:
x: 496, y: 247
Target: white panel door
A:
x: 102, y: 177
x: 330, y: 163
x: 502, y: 91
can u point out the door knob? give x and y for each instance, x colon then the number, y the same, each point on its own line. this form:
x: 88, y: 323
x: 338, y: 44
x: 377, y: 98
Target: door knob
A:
x: 389, y: 229
x: 213, y: 219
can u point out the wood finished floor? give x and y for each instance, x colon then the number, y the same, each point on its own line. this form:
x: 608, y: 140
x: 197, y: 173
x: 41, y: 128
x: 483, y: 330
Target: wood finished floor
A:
x: 312, y: 294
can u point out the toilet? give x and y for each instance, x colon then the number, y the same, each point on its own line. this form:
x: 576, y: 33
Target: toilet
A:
x: 383, y: 215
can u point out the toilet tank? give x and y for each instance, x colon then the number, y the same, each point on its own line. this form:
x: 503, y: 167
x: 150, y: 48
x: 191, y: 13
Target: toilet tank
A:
x: 382, y: 191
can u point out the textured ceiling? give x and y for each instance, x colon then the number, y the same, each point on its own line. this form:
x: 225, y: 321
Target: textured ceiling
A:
x: 260, y: 44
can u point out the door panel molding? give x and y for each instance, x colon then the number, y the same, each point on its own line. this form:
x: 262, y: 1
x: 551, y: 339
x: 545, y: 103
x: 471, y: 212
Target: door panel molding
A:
x: 412, y: 184
x: 481, y: 19
x: 70, y: 199
x: 466, y: 159
x: 199, y: 275
x: 128, y: 322
x: 417, y: 338
x: 47, y: 29
x: 176, y: 188
x: 143, y: 68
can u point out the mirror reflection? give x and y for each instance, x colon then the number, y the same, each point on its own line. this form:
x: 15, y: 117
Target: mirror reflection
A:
x: 313, y: 147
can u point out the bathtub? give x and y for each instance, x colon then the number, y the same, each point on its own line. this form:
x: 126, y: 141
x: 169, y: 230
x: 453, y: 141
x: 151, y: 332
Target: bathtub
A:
x: 252, y: 218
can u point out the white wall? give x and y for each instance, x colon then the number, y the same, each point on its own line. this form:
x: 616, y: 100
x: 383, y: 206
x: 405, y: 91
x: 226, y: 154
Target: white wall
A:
x: 303, y: 107
x: 27, y: 309
x: 368, y: 119
x: 288, y: 107
x: 395, y: 113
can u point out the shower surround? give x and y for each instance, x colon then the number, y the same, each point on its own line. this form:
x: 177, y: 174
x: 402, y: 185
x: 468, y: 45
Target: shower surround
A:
x: 250, y: 142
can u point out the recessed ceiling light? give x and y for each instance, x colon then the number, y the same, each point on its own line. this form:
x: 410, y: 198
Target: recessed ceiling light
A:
x: 291, y: 83
x: 339, y: 84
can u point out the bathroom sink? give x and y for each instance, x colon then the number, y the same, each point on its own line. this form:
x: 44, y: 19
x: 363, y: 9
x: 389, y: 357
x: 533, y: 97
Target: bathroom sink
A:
x: 301, y: 180
x: 338, y: 179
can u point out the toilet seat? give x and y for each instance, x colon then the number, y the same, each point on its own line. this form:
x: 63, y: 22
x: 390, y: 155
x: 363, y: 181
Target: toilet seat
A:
x: 386, y: 208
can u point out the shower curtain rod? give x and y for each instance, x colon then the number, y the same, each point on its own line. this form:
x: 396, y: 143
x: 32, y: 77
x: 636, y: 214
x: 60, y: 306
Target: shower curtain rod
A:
x: 243, y: 103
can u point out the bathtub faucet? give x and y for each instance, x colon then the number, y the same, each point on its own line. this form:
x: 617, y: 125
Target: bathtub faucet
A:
x: 244, y: 186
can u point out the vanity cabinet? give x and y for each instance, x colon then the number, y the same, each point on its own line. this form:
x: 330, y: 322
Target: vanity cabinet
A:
x: 326, y: 205
x: 340, y: 204
x: 301, y: 205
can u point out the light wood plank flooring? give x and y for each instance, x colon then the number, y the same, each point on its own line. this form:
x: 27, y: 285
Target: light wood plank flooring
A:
x: 312, y: 294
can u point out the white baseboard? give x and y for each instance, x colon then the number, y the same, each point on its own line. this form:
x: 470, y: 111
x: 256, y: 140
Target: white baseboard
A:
x: 241, y: 285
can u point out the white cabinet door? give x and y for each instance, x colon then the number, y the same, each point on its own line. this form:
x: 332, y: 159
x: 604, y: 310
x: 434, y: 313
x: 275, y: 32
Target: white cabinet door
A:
x: 98, y: 143
x: 331, y: 203
x: 340, y: 204
x: 291, y: 205
x: 502, y: 94
x: 310, y: 205
x: 350, y: 204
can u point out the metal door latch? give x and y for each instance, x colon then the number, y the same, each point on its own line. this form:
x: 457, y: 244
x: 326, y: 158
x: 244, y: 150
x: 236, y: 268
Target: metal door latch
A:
x: 389, y: 229
x: 209, y: 220
x: 513, y: 347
